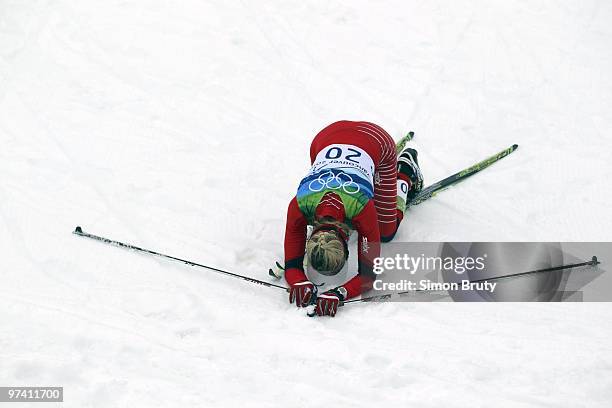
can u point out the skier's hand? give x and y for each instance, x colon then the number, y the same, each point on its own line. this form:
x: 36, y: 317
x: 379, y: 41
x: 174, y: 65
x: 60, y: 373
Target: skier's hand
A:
x: 302, y: 293
x: 328, y: 303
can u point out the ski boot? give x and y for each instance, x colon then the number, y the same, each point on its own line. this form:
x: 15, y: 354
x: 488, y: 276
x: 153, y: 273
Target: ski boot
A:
x: 408, y: 165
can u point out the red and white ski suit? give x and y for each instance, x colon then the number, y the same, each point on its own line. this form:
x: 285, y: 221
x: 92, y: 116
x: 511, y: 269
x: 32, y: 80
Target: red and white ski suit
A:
x: 379, y: 219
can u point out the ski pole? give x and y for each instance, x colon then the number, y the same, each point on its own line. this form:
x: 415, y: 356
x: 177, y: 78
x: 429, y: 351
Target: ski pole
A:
x: 79, y: 231
x: 592, y: 262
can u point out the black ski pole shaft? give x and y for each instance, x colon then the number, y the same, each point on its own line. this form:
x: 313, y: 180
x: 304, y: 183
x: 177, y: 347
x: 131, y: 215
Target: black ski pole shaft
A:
x: 79, y: 231
x: 592, y: 262
x: 433, y: 189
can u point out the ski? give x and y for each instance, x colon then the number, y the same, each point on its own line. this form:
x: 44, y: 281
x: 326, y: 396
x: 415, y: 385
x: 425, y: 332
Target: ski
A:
x: 399, y: 146
x: 79, y: 231
x: 435, y: 188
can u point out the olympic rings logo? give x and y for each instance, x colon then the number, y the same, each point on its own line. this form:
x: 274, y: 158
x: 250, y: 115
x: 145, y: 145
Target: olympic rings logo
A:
x: 332, y: 181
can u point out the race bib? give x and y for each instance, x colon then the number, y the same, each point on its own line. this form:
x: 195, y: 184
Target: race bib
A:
x: 347, y: 159
x: 402, y: 188
x: 343, y: 169
x: 402, y: 194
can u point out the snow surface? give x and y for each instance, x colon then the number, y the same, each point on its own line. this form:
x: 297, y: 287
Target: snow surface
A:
x: 184, y: 127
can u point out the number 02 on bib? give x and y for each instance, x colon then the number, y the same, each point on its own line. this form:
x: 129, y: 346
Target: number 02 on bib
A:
x: 343, y: 169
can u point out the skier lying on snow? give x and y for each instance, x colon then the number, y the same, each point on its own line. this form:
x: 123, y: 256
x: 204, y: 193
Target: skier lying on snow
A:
x: 356, y: 182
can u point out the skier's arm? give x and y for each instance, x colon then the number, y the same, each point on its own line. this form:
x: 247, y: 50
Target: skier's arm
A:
x: 366, y: 224
x: 295, y: 243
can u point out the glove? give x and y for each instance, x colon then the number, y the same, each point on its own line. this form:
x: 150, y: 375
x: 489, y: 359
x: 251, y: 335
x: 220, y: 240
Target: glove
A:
x: 302, y: 293
x: 328, y: 302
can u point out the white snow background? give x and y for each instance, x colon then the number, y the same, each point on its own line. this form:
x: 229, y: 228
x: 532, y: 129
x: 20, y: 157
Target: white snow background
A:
x: 184, y: 127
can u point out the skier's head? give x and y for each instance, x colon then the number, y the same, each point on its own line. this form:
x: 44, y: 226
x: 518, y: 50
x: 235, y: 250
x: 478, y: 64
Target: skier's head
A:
x: 327, y: 248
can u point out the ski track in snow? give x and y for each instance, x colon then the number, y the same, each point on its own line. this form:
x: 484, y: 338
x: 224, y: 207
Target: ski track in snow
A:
x: 185, y: 128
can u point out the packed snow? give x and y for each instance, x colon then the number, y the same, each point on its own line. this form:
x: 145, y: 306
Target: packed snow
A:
x: 184, y: 127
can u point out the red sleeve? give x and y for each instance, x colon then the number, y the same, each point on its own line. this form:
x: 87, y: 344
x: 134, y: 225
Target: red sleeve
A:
x: 366, y: 224
x: 295, y: 244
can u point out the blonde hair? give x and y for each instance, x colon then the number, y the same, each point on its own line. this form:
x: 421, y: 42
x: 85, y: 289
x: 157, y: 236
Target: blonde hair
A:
x: 326, y: 250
